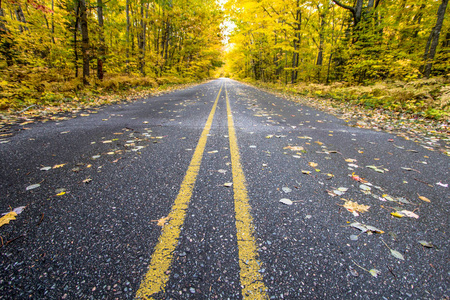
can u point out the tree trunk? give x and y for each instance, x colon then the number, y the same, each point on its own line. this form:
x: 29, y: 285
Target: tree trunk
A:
x: 321, y: 40
x: 2, y: 22
x: 53, y: 22
x: 75, y: 31
x: 6, y: 42
x: 142, y: 41
x: 430, y: 49
x: 295, y: 55
x: 101, y: 50
x: 84, y: 40
x: 127, y: 61
x: 21, y: 18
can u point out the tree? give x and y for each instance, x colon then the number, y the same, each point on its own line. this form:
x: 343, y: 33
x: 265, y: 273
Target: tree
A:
x: 433, y: 40
x: 84, y: 39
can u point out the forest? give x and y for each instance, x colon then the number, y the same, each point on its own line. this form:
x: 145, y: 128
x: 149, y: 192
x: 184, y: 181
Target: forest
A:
x: 396, y: 52
x: 53, y: 51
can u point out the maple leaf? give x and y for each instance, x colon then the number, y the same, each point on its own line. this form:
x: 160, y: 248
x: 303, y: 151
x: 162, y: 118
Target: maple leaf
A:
x: 162, y: 222
x: 8, y: 218
x: 58, y: 166
x: 352, y: 206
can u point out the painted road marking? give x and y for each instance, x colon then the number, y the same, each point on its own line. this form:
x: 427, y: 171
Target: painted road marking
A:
x: 157, y: 275
x: 251, y: 279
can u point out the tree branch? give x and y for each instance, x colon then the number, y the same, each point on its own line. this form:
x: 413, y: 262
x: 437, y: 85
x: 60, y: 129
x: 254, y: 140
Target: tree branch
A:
x: 352, y: 9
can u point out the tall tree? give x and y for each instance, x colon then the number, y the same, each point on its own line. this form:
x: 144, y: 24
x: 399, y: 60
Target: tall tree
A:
x: 433, y: 40
x: 101, y: 50
x: 84, y: 39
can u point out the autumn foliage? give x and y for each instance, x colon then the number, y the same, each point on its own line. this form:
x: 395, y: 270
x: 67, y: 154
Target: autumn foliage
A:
x: 327, y: 47
x: 54, y: 51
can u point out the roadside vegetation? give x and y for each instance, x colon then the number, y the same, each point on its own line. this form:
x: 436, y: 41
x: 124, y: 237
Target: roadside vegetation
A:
x: 374, y: 54
x: 68, y: 53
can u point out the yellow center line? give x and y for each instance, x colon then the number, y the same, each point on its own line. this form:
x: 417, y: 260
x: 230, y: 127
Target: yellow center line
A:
x: 157, y: 275
x: 251, y: 279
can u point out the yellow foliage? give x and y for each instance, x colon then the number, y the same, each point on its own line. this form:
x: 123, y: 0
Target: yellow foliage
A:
x: 8, y: 218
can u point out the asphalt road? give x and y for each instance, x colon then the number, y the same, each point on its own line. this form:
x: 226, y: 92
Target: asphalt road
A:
x: 178, y: 197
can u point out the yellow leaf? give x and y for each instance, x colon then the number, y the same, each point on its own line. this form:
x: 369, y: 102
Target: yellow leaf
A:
x: 161, y: 222
x: 295, y: 148
x: 58, y: 166
x: 397, y: 214
x: 313, y: 164
x: 7, y: 218
x: 354, y: 206
x: 60, y: 194
x: 423, y: 198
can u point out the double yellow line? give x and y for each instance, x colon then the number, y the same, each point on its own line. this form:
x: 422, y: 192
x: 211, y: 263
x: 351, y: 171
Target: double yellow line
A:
x: 157, y: 275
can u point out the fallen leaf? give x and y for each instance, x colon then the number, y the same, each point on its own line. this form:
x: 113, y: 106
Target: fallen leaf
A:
x: 397, y: 214
x: 7, y: 218
x: 306, y: 172
x: 354, y: 237
x: 295, y: 148
x: 365, y: 228
x: 286, y: 201
x: 313, y: 164
x: 58, y: 166
x: 228, y: 184
x: 45, y: 168
x: 374, y: 272
x: 18, y: 210
x: 375, y: 169
x: 214, y: 151
x: 408, y: 213
x: 359, y: 179
x: 33, y: 186
x: 352, y: 206
x: 423, y: 198
x: 61, y: 193
x: 161, y: 222
x: 365, y: 187
x: 286, y: 189
x: 426, y: 244
x: 354, y: 272
x: 397, y: 254
x: 87, y: 180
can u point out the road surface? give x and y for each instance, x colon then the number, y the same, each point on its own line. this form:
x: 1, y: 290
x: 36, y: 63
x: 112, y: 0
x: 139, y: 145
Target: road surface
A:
x: 178, y: 197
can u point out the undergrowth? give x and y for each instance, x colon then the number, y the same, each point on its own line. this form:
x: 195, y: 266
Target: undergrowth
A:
x: 22, y: 88
x: 429, y: 98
